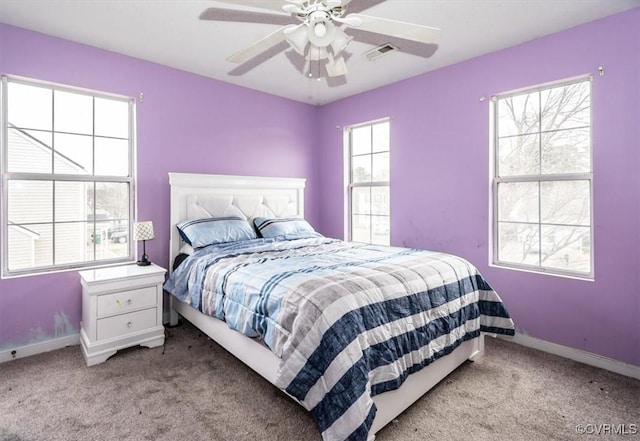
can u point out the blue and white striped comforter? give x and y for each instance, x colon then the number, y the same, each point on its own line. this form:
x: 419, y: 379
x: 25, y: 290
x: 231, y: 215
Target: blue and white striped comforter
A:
x: 348, y: 321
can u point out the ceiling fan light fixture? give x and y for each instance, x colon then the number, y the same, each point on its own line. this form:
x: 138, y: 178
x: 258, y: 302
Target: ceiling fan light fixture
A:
x: 322, y: 33
x: 298, y: 39
x: 336, y: 66
x: 320, y: 30
x: 318, y: 53
x: 340, y: 42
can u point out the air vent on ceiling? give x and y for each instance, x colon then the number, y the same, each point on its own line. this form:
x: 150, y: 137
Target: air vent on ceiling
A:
x: 379, y: 51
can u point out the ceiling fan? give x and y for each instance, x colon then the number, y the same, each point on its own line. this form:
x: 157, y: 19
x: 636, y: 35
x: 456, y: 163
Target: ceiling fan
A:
x: 320, y: 30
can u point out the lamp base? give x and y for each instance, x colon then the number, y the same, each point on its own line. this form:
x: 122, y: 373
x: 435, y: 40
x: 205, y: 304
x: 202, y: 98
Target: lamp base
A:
x: 144, y: 261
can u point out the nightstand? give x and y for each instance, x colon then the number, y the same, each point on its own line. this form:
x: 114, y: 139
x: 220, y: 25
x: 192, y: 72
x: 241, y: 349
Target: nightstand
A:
x: 121, y: 307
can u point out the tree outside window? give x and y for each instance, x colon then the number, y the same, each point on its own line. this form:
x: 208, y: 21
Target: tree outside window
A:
x: 543, y: 179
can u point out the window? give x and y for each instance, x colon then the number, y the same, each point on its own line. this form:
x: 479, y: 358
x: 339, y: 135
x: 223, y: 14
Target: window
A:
x: 67, y: 177
x: 369, y: 206
x: 543, y: 181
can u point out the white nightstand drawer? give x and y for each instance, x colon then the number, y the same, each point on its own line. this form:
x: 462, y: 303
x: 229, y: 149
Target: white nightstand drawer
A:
x: 121, y: 302
x: 118, y: 325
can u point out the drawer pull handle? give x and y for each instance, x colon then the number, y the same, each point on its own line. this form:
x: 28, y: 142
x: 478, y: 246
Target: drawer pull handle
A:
x: 129, y: 324
x: 129, y: 302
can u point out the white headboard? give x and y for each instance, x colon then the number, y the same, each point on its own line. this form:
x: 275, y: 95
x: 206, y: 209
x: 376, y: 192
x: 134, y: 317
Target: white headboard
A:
x: 195, y: 196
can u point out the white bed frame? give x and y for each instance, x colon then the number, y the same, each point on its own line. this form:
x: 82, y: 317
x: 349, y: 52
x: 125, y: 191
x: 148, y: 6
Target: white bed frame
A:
x: 195, y: 195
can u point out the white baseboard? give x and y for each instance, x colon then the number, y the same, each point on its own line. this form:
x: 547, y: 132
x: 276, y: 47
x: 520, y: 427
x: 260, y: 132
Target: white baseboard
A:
x: 599, y: 361
x: 39, y: 348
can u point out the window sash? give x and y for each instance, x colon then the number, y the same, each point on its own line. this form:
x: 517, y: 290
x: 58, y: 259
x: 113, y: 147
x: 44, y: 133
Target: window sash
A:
x: 53, y: 177
x: 351, y: 185
x: 540, y: 178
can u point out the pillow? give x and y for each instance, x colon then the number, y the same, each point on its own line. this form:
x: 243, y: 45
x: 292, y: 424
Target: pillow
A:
x: 207, y: 231
x: 186, y: 249
x: 284, y: 228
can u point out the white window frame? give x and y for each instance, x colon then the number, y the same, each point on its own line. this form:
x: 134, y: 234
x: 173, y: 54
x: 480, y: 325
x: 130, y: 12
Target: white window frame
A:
x: 130, y: 179
x: 348, y: 131
x: 539, y: 178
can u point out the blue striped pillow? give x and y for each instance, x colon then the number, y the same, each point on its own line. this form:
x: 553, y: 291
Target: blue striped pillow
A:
x: 285, y: 228
x: 207, y: 231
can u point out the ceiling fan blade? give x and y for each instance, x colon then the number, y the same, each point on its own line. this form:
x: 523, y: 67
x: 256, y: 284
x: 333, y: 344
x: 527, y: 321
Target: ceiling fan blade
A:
x: 407, y: 46
x: 243, y: 68
x: 399, y: 29
x: 221, y: 14
x: 258, y: 47
x: 273, y: 5
x: 355, y: 6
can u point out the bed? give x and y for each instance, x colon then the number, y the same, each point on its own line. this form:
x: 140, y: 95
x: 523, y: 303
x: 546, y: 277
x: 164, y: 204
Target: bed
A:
x: 281, y: 355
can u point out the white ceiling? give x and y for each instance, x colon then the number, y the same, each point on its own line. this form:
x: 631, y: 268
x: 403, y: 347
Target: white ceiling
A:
x: 169, y: 32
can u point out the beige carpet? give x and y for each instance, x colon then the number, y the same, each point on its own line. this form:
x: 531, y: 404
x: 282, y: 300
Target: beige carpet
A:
x: 194, y: 390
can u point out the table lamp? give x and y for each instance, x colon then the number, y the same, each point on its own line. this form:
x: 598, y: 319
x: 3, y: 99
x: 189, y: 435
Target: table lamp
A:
x: 143, y: 231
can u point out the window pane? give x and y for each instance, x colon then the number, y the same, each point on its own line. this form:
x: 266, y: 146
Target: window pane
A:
x: 519, y: 155
x: 369, y: 162
x: 21, y: 241
x: 29, y: 107
x: 112, y: 247
x: 566, y: 151
x: 381, y: 137
x: 519, y: 114
x: 73, y: 112
x: 73, y: 154
x: 566, y: 202
x: 567, y: 248
x: 30, y: 246
x: 112, y: 157
x: 380, y: 202
x: 112, y: 199
x: 518, y: 243
x: 361, y: 140
x: 72, y: 240
x: 30, y: 202
x: 29, y: 151
x: 518, y: 201
x: 361, y: 200
x: 381, y: 166
x: 566, y: 107
x: 361, y: 168
x: 72, y: 201
x: 381, y: 232
x: 117, y: 232
x: 112, y: 118
x: 59, y: 221
x: 545, y: 223
x: 361, y: 228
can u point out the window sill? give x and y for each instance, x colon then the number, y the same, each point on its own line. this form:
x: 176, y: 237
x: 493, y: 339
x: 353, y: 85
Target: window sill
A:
x: 502, y: 266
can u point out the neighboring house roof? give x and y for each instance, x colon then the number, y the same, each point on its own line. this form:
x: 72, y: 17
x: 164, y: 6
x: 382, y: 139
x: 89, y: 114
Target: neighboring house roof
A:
x: 27, y: 232
x: 17, y: 132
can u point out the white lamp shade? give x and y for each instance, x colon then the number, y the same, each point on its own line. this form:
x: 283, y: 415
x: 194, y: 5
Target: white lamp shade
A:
x: 340, y: 42
x: 143, y: 230
x: 298, y: 38
x: 336, y: 66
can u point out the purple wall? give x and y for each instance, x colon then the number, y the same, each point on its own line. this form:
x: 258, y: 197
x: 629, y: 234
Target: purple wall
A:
x: 440, y: 176
x: 186, y: 123
x: 439, y: 166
